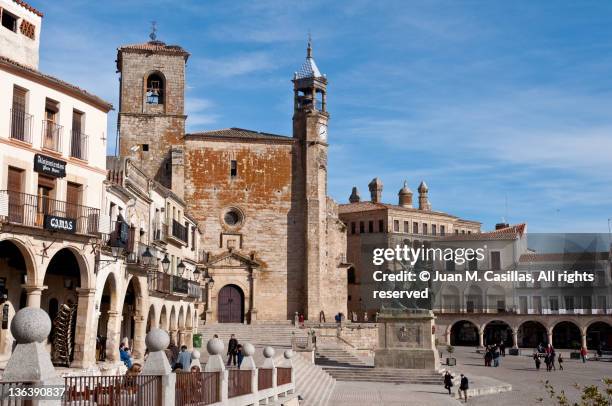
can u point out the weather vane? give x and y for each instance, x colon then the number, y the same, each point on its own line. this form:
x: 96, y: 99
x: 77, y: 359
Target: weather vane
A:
x: 153, y: 34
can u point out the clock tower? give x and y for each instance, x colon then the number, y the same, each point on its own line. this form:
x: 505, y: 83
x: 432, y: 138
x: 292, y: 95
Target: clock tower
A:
x: 310, y: 129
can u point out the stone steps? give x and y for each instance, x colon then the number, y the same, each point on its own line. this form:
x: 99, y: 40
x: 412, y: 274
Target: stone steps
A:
x: 313, y: 384
x: 275, y: 335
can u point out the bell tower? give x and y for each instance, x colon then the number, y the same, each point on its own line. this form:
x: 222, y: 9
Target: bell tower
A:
x: 151, y: 120
x: 310, y: 119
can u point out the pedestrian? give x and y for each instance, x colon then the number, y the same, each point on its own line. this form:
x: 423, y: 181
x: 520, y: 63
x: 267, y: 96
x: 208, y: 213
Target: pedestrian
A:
x: 184, y: 358
x: 124, y: 356
x: 232, y: 350
x: 599, y: 351
x: 240, y: 355
x: 301, y: 320
x: 583, y: 354
x: 547, y: 362
x: 502, y: 349
x: 448, y: 381
x: 552, y: 358
x: 560, y: 359
x: 488, y: 356
x: 496, y: 357
x: 536, y: 358
x: 463, y: 387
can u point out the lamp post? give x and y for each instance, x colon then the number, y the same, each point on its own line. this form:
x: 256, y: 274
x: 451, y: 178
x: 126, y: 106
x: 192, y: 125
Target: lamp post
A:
x: 181, y: 268
x: 165, y: 263
x: 147, y: 257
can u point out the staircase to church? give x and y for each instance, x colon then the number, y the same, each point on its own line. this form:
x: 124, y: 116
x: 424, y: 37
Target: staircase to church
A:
x: 344, y: 366
x: 313, y: 384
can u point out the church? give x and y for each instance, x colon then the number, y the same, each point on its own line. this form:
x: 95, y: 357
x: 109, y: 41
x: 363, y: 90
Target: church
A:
x: 272, y: 244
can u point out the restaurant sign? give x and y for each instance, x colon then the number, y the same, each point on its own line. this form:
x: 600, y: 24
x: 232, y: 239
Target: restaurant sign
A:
x: 49, y: 166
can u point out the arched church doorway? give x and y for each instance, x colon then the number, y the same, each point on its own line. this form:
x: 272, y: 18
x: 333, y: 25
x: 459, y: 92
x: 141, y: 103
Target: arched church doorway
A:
x: 231, y: 305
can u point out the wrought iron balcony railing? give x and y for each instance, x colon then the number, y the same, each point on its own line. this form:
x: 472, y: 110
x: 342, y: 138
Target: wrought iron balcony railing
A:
x: 52, y: 136
x: 21, y: 125
x: 44, y: 212
x: 179, y: 231
x: 78, y: 145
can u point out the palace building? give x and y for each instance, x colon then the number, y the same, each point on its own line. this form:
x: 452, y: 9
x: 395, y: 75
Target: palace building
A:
x: 272, y: 243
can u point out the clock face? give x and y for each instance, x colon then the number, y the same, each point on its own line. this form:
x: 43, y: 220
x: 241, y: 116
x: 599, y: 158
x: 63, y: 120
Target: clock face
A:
x: 323, y: 132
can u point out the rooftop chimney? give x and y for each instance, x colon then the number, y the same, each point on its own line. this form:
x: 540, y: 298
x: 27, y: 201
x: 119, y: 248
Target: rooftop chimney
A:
x: 423, y: 199
x: 355, y: 198
x: 376, y: 188
x: 405, y: 196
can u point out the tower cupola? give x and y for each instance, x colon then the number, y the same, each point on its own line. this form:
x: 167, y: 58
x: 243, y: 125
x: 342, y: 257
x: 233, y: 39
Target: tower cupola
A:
x: 405, y: 196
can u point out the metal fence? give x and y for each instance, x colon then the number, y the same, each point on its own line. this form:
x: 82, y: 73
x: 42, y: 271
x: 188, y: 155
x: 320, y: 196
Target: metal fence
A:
x: 78, y: 145
x: 52, y: 136
x: 21, y: 125
x: 9, y: 392
x: 31, y: 210
x: 283, y: 376
x: 239, y: 383
x: 197, y: 388
x: 264, y: 379
x: 123, y: 390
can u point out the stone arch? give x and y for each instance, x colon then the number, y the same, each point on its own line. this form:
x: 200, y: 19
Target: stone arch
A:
x: 109, y: 320
x: 566, y: 334
x: 163, y: 319
x: 29, y: 261
x: 451, y: 299
x: 86, y: 280
x: 231, y: 304
x: 155, y: 93
x: 531, y: 333
x: 132, y: 313
x: 464, y: 332
x: 497, y: 331
x: 599, y: 335
x: 473, y: 299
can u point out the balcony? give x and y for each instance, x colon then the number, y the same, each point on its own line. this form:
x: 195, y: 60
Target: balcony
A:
x: 179, y: 232
x: 78, y: 145
x: 173, y: 285
x: 46, y: 213
x: 21, y: 126
x: 52, y: 136
x: 180, y: 285
x: 136, y: 258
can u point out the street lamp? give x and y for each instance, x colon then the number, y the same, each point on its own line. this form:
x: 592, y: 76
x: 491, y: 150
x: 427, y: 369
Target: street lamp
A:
x: 165, y: 263
x: 147, y: 257
x: 181, y: 268
x: 196, y: 274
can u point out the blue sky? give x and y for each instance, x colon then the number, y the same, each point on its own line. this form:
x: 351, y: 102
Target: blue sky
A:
x: 489, y: 102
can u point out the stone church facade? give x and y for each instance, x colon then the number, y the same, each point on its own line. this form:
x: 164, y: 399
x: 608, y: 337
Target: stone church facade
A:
x: 272, y: 243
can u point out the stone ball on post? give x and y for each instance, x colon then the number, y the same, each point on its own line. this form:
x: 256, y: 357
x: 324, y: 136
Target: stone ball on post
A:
x: 268, y: 352
x: 214, y: 346
x: 248, y: 349
x: 157, y: 340
x: 31, y: 325
x: 195, y: 354
x: 288, y: 354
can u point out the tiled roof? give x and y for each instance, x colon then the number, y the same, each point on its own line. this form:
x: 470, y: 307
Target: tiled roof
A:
x: 364, y: 206
x: 240, y: 133
x: 565, y: 257
x: 155, y: 46
x: 308, y: 69
x: 507, y: 233
x: 28, y: 7
x: 48, y: 80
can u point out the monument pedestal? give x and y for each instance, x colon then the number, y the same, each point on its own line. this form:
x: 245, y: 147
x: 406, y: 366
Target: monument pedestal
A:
x: 406, y: 340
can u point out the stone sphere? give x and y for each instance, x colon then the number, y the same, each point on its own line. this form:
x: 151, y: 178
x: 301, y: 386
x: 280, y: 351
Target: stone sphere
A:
x: 157, y: 340
x: 268, y: 352
x: 195, y: 354
x: 288, y: 354
x: 248, y: 349
x: 214, y: 346
x: 31, y: 325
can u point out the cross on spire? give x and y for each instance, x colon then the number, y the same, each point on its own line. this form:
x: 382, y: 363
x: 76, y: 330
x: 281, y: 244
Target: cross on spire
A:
x: 309, y: 49
x: 153, y: 34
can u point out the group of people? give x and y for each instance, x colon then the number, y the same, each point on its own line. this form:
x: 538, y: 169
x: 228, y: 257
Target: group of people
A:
x: 549, y: 355
x: 235, y: 353
x: 180, y: 359
x: 463, y: 385
x: 493, y: 353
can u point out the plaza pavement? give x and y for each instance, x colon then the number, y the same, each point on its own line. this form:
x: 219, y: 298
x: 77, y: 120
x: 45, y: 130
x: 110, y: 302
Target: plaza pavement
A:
x: 527, y: 382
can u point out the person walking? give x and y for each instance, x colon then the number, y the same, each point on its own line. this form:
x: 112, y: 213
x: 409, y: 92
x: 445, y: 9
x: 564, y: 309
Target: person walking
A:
x: 184, y: 358
x: 583, y: 354
x: 502, y: 349
x: 448, y: 381
x: 552, y: 358
x: 560, y: 360
x: 496, y: 357
x: 240, y: 355
x: 463, y: 387
x: 232, y: 350
x: 536, y: 358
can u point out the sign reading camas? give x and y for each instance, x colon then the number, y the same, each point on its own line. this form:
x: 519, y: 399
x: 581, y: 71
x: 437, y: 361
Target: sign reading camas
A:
x: 55, y: 223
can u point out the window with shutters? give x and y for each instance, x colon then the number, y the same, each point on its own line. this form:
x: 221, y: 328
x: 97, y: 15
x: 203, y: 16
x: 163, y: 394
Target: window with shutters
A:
x: 16, y: 198
x: 73, y: 200
x: 21, y: 122
x: 495, y: 261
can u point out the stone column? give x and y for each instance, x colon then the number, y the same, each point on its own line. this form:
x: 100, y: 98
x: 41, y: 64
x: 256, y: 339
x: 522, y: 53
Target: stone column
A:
x: 157, y: 364
x: 253, y: 297
x: 174, y: 337
x: 34, y: 294
x: 447, y: 336
x: 268, y: 353
x: 248, y: 364
x: 288, y: 354
x: 181, y: 338
x: 550, y: 336
x: 189, y: 338
x: 515, y: 338
x: 85, y: 336
x: 140, y: 326
x: 583, y: 335
x: 481, y: 337
x: 210, y: 316
x: 113, y: 335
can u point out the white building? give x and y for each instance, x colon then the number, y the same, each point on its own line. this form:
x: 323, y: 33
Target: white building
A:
x: 51, y: 188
